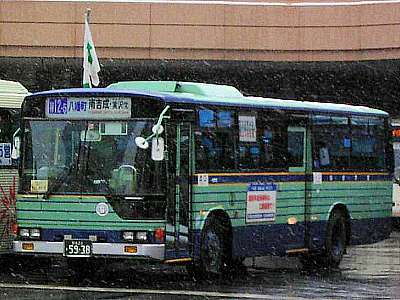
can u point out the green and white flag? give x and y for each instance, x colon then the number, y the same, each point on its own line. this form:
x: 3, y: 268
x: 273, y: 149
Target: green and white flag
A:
x: 90, y: 62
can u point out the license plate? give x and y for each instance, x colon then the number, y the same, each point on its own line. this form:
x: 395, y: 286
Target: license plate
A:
x: 78, y: 248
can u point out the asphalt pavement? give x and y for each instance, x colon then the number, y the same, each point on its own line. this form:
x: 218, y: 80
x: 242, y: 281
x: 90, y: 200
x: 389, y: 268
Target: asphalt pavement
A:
x: 368, y: 271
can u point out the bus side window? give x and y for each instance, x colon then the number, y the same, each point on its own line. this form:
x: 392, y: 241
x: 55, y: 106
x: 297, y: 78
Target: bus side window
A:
x: 272, y: 138
x: 249, y: 156
x: 296, y: 148
x: 321, y: 155
x: 249, y: 141
x: 368, y: 135
x: 331, y: 142
x: 266, y: 140
x: 214, y: 140
x: 207, y: 147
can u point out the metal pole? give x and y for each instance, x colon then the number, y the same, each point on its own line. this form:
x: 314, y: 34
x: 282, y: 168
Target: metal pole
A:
x: 88, y: 11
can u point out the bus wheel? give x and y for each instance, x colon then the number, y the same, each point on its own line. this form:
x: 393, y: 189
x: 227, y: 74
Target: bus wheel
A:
x: 335, y: 243
x: 395, y: 223
x: 215, y: 250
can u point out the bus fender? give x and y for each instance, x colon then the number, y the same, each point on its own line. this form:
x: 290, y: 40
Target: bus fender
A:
x: 337, y: 205
x: 342, y: 206
x: 204, y: 215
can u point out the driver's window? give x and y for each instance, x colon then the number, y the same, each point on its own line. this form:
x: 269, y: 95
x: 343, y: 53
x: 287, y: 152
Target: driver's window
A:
x: 296, y: 148
x: 130, y: 169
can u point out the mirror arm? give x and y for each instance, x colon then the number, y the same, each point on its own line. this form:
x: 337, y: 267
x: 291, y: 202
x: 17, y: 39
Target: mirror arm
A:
x: 158, y: 124
x: 16, y: 132
x: 160, y: 118
x: 15, y: 150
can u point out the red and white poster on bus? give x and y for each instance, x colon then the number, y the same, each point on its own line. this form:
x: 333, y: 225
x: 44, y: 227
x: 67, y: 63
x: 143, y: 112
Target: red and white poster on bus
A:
x: 261, y: 202
x: 247, y: 129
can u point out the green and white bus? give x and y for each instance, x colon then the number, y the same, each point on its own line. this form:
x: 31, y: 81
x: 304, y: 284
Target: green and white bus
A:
x: 396, y: 179
x: 11, y: 96
x: 182, y: 172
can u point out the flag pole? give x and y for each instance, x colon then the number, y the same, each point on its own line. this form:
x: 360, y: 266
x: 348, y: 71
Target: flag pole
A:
x: 88, y: 11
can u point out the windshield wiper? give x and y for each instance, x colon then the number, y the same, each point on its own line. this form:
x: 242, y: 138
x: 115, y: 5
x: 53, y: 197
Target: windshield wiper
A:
x: 59, y: 181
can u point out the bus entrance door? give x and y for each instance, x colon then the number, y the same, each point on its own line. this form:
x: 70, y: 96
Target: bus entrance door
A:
x: 299, y: 153
x: 179, y: 230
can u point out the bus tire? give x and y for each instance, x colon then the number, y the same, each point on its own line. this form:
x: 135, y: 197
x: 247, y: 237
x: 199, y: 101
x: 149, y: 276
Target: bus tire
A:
x: 335, y: 244
x: 215, y: 251
x: 395, y: 223
x: 195, y: 271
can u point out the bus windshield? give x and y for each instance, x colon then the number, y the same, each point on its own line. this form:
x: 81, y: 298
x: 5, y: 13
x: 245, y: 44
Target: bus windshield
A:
x: 95, y: 157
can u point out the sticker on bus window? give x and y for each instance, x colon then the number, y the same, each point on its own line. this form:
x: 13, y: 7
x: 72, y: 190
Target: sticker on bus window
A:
x: 39, y: 186
x: 261, y: 202
x: 247, y: 129
x: 346, y: 142
x: 5, y: 154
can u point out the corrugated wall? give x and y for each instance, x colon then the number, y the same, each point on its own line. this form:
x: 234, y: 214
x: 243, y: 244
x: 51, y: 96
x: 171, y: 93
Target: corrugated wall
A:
x: 255, y: 30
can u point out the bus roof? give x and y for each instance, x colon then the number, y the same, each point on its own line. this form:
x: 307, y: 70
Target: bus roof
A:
x: 212, y: 94
x: 12, y: 94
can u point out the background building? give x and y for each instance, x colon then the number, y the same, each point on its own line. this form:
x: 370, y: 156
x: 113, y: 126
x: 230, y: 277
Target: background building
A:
x: 326, y: 51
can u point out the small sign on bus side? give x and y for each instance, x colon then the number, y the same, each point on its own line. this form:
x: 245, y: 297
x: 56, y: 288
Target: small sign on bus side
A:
x: 261, y: 202
x: 5, y: 154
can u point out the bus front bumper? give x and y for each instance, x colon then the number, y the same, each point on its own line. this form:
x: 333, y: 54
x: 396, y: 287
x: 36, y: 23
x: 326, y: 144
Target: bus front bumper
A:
x: 154, y: 251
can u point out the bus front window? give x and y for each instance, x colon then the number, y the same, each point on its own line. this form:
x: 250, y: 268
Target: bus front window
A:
x: 90, y: 157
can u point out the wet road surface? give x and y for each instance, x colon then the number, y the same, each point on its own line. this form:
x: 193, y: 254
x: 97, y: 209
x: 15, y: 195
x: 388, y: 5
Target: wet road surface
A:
x: 370, y: 271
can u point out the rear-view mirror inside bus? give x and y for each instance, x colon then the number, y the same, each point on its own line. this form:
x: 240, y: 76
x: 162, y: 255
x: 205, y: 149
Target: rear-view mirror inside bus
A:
x: 113, y: 128
x: 90, y: 135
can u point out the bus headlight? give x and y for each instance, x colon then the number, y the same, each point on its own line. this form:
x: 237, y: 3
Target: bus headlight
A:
x: 135, y: 236
x: 141, y: 236
x: 128, y: 236
x: 34, y: 233
x: 29, y: 233
x: 23, y: 232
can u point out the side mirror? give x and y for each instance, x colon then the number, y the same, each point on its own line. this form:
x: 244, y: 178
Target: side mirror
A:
x: 16, y: 145
x: 141, y: 142
x: 157, y: 149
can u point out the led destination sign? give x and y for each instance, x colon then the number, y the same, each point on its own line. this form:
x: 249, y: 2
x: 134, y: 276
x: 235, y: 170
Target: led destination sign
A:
x: 88, y: 108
